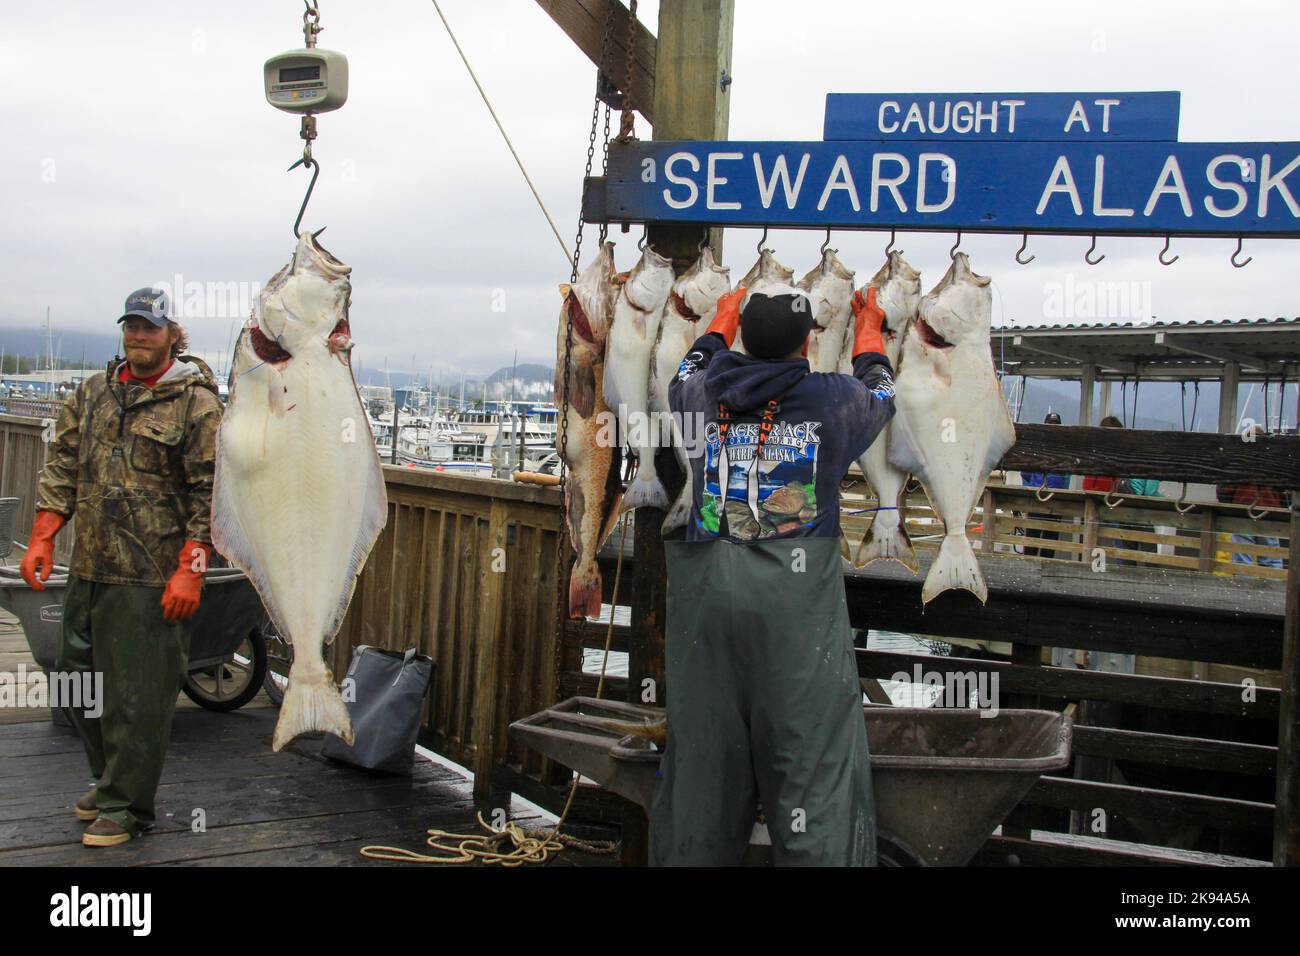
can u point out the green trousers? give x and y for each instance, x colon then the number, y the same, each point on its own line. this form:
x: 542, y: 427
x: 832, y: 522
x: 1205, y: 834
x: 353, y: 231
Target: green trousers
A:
x: 118, y: 631
x: 764, y: 705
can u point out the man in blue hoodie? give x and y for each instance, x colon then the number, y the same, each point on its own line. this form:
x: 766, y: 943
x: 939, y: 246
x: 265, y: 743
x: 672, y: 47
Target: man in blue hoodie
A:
x: 764, y: 705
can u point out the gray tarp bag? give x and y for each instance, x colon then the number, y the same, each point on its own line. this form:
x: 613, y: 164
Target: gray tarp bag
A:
x: 384, y: 699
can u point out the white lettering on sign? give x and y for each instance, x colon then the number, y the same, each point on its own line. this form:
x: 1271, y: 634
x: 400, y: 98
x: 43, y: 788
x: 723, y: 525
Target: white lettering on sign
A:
x: 880, y: 117
x: 781, y: 171
x: 840, y: 178
x: 692, y: 191
x: 1098, y: 184
x: 1011, y: 106
x: 877, y: 180
x: 1105, y: 113
x: 1061, y: 181
x: 950, y: 166
x: 1268, y: 183
x: 1212, y: 174
x: 1077, y: 115
x: 1170, y: 183
x: 715, y: 180
x: 938, y: 116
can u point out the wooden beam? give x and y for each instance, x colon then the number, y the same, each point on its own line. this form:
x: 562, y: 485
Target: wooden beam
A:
x: 1228, y: 397
x: 1273, y: 461
x: 1286, y: 824
x: 583, y: 21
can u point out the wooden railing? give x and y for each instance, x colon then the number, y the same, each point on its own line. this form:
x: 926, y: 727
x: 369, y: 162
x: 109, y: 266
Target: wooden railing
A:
x: 22, y: 456
x: 1149, y: 532
x: 465, y: 571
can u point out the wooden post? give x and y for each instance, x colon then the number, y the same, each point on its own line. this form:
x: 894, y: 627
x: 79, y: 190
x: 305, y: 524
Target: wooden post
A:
x: 1086, y: 383
x: 1286, y: 816
x: 1228, y: 397
x: 1105, y: 401
x: 693, y: 47
x: 487, y: 648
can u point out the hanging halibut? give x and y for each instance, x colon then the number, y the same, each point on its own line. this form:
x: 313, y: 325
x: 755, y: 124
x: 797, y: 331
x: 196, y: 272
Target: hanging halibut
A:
x: 591, y: 452
x: 299, y: 495
x: 637, y: 310
x: 952, y: 425
x: 688, y: 312
x: 898, y: 293
x: 829, y: 289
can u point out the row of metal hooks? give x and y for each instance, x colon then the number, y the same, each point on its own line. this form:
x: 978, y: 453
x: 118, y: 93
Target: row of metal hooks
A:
x: 1021, y: 258
x: 1182, y: 505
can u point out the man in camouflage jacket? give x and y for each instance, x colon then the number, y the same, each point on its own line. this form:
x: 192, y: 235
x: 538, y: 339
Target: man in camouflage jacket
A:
x: 132, y: 460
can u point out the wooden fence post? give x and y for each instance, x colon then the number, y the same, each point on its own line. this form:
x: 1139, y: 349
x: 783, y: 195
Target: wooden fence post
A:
x: 487, y: 646
x: 1286, y: 816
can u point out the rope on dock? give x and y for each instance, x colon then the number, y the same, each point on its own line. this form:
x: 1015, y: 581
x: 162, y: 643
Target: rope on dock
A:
x: 534, y: 845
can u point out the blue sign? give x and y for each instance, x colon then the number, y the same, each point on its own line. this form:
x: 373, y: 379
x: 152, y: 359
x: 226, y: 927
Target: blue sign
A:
x: 1193, y: 189
x: 1003, y: 117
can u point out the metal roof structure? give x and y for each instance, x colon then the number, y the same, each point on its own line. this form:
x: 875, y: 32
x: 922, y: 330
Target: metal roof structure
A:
x: 1250, y: 349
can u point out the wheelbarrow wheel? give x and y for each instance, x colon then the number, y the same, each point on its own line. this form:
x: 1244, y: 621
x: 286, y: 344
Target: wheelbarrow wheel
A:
x: 233, y: 683
x: 279, y: 654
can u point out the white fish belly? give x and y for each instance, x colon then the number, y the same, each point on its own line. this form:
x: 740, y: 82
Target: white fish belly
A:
x: 300, y: 495
x: 951, y: 427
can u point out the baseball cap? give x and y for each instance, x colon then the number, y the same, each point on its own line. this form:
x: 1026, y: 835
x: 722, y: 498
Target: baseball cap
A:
x: 148, y: 303
x: 773, y: 326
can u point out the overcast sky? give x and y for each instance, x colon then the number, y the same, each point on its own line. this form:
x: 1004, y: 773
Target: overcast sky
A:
x: 138, y: 146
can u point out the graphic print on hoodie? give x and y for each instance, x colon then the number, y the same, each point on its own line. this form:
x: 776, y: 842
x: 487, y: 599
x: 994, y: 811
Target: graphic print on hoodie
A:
x: 825, y: 421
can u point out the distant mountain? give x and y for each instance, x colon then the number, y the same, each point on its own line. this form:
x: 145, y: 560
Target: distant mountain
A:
x: 69, y: 345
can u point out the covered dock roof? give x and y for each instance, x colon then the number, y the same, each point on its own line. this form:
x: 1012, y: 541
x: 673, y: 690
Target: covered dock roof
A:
x: 1251, y: 350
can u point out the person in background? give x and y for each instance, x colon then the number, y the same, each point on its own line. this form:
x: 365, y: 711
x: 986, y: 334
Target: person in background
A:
x: 1259, y: 497
x: 1036, y: 479
x: 1147, y: 487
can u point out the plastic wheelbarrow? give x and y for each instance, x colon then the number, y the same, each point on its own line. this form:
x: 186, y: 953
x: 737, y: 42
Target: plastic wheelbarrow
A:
x: 227, y: 658
x: 943, y: 779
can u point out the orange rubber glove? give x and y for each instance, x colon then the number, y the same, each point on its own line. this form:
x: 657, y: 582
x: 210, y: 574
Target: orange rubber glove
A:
x: 180, y: 598
x: 726, y: 321
x: 868, y: 319
x: 38, y: 562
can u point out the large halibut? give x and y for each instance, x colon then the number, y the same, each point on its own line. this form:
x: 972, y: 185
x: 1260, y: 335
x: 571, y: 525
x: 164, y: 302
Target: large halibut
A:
x: 952, y: 425
x: 299, y: 496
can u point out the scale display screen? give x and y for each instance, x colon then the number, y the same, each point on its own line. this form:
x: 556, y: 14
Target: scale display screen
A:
x: 295, y: 73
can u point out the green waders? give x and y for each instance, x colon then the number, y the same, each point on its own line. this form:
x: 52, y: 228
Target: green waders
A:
x: 118, y: 630
x: 764, y: 705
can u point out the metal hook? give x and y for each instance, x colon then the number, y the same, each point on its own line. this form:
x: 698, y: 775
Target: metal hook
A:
x: 1233, y: 260
x: 640, y: 243
x: 306, y: 161
x: 1178, y: 505
x: 704, y: 243
x: 762, y: 239
x: 1250, y: 509
x: 890, y: 248
x: 825, y: 245
x: 1163, y: 260
x: 1108, y: 502
x: 952, y: 253
x: 1041, y: 488
x: 1024, y: 244
x: 1087, y: 256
